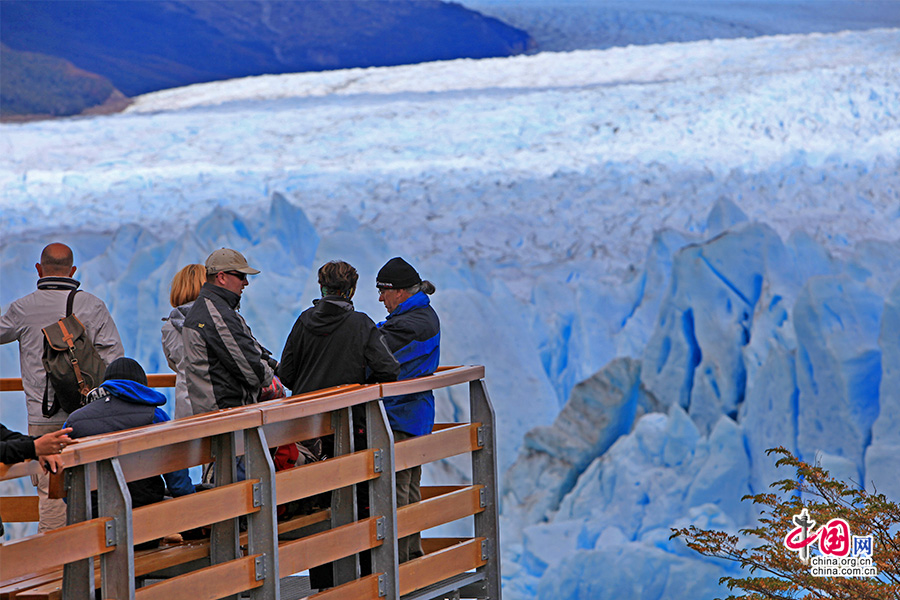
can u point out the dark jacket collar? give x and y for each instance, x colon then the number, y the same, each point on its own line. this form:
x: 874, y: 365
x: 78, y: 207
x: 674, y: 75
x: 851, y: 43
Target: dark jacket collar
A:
x: 211, y: 290
x: 57, y: 283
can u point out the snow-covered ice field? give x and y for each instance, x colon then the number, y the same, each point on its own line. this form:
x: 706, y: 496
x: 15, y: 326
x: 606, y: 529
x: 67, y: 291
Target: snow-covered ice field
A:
x: 669, y: 258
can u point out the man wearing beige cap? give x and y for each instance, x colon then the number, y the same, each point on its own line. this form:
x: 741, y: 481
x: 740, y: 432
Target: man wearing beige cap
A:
x: 224, y: 364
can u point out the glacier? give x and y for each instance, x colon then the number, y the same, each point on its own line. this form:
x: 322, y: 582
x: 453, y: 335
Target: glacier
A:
x: 669, y: 258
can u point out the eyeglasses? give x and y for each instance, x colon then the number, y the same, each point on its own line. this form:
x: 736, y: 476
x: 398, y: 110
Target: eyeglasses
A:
x: 241, y: 276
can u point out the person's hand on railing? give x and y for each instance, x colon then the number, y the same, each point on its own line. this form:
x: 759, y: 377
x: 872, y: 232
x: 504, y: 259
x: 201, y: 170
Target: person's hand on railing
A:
x: 51, y: 462
x: 49, y: 446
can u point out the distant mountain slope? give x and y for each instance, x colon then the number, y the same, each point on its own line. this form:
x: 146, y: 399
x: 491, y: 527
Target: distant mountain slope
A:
x: 40, y: 85
x: 565, y: 25
x: 147, y: 45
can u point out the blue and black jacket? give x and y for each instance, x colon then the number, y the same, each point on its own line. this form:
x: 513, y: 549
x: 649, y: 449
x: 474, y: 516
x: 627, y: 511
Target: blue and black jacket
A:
x: 413, y: 333
x: 122, y: 404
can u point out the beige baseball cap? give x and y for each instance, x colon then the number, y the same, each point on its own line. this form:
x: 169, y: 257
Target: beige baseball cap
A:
x: 226, y: 259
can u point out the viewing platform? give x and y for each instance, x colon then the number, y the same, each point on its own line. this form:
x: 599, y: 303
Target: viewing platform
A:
x: 249, y: 552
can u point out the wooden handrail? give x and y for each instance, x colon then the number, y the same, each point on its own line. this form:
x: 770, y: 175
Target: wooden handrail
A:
x: 121, y: 443
x: 155, y: 380
x: 444, y: 377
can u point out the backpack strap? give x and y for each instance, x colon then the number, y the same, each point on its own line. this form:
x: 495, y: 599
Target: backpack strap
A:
x: 70, y: 342
x: 70, y: 301
x: 49, y: 411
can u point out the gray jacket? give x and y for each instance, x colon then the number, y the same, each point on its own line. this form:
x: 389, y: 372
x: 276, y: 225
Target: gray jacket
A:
x: 173, y: 347
x: 25, y: 318
x: 224, y: 365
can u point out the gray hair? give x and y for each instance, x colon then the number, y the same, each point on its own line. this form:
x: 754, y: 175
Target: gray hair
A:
x: 423, y: 286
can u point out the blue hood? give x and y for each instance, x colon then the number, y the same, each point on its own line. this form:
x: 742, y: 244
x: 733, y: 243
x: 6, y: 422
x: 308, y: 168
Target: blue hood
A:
x: 134, y: 392
x: 417, y: 300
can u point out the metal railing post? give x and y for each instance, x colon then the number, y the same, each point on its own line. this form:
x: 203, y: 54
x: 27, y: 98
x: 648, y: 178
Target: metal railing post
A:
x: 383, y: 499
x: 484, y: 472
x: 343, y: 501
x: 78, y: 577
x: 114, y: 500
x: 262, y: 526
x: 224, y: 539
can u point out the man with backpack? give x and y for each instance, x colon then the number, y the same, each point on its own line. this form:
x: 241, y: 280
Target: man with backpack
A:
x: 24, y: 322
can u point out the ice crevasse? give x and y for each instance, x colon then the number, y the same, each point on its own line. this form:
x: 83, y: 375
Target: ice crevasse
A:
x: 756, y: 342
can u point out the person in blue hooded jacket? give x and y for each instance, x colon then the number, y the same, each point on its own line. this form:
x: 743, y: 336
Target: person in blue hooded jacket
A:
x: 124, y: 401
x: 412, y: 331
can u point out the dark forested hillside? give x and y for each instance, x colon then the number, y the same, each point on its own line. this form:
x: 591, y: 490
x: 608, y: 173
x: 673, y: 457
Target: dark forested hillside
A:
x: 39, y: 85
x: 146, y: 45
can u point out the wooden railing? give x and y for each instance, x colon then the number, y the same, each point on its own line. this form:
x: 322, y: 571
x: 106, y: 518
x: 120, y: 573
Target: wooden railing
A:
x: 361, y: 549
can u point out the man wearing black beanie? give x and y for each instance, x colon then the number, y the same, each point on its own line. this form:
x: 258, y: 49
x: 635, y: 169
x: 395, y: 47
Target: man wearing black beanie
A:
x: 412, y: 331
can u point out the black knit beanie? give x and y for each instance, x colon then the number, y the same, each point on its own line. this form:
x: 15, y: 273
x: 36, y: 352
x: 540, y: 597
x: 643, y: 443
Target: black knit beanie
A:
x: 125, y: 368
x: 397, y: 274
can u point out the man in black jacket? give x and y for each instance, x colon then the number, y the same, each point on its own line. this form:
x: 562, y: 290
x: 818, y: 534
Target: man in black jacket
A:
x: 225, y: 365
x: 332, y: 344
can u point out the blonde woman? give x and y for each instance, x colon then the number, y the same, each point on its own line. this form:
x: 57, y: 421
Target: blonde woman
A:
x: 185, y: 288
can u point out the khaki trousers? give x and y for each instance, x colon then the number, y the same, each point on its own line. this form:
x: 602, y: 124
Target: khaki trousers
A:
x: 408, y: 491
x: 52, y: 512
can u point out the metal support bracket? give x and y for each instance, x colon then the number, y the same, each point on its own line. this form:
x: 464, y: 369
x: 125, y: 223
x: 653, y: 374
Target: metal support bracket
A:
x: 480, y: 432
x: 110, y: 533
x: 482, y: 497
x: 382, y: 585
x: 257, y: 495
x: 260, y: 564
x: 378, y: 460
x: 485, y: 553
x: 379, y: 529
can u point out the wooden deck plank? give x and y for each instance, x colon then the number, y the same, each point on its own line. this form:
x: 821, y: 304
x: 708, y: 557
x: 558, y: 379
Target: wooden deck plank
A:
x: 438, y: 510
x: 314, y: 478
x: 211, y: 583
x: 439, y: 444
x: 58, y: 547
x: 321, y: 548
x: 443, y: 564
x: 365, y: 588
x: 19, y: 509
x: 194, y: 510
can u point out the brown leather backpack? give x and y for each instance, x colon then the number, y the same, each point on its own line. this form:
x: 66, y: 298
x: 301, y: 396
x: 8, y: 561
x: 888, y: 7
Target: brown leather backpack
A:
x: 72, y: 363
